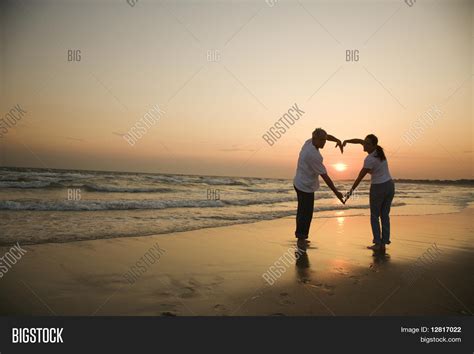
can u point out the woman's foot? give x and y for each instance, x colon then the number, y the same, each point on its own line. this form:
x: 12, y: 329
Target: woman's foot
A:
x: 375, y: 247
x: 302, y: 244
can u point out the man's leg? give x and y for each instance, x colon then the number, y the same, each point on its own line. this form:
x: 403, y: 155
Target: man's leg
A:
x: 299, y: 215
x: 304, y: 213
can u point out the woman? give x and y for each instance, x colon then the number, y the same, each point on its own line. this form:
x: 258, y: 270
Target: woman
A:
x: 382, y: 189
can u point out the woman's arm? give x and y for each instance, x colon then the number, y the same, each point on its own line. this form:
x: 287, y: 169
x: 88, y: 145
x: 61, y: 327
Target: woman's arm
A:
x: 361, y: 176
x: 353, y: 141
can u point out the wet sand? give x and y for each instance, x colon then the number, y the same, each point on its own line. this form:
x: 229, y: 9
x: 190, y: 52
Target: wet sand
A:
x: 220, y: 271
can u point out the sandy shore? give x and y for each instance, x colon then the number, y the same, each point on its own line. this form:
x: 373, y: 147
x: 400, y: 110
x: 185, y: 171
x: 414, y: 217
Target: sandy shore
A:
x: 219, y: 272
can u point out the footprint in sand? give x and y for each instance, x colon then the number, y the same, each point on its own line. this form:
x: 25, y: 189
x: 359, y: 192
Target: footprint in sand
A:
x: 304, y: 280
x: 355, y: 279
x: 220, y: 309
x: 341, y: 271
x: 189, y: 291
x: 194, y: 282
x: 321, y: 286
x: 218, y: 279
x: 328, y: 289
x: 164, y: 293
x: 286, y: 302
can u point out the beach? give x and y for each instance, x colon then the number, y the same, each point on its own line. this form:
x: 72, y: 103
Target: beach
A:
x: 227, y: 271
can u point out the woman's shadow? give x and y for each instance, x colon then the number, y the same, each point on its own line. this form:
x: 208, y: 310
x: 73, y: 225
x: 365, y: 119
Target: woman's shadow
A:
x: 380, y: 257
x: 303, y: 268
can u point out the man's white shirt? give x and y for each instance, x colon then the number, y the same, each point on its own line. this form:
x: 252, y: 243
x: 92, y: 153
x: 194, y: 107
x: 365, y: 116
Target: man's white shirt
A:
x: 310, y: 167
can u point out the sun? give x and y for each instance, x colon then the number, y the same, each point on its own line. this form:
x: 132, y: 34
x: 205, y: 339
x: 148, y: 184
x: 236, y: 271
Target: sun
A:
x: 340, y: 166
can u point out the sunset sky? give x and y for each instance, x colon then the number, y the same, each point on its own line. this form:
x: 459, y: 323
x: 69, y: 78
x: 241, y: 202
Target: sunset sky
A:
x: 267, y: 56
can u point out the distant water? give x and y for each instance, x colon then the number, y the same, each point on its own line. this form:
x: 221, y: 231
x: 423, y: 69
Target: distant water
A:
x: 43, y: 205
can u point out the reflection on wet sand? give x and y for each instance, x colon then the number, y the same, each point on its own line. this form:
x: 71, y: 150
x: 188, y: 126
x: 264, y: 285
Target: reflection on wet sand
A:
x: 303, y: 267
x: 380, y: 257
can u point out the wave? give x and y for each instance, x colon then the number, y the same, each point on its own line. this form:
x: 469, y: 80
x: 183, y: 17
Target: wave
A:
x: 96, y: 205
x: 223, y: 181
x: 26, y: 184
x: 88, y: 187
x: 269, y: 190
x: 127, y: 183
x: 92, y: 205
x: 171, y: 179
x: 116, y: 189
x: 197, y: 180
x: 456, y: 182
x: 46, y: 175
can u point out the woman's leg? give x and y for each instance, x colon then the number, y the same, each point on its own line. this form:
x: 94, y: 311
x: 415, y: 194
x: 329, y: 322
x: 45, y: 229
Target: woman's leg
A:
x: 385, y: 213
x: 376, y: 199
x: 304, y: 213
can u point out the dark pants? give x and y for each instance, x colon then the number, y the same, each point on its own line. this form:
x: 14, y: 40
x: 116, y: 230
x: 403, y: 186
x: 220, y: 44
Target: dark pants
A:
x: 304, y: 215
x: 381, y: 196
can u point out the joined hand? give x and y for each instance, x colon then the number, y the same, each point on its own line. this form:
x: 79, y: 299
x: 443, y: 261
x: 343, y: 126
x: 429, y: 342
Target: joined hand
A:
x: 347, y: 196
x: 340, y: 197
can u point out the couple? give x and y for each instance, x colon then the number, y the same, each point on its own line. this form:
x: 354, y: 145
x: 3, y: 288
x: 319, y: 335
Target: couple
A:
x: 306, y: 182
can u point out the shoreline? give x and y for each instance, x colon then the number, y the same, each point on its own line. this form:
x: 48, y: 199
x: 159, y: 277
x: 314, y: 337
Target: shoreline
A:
x: 324, y: 214
x: 219, y: 271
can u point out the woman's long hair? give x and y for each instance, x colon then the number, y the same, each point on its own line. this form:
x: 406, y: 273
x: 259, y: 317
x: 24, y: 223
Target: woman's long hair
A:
x: 374, y: 140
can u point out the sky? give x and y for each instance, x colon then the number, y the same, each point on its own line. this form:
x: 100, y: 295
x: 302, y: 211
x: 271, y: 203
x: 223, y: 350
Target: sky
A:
x: 224, y: 72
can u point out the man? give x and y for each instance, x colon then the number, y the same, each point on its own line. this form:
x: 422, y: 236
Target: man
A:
x: 306, y: 181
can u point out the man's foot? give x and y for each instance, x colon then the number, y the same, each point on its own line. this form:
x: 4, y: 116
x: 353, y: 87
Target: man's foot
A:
x: 375, y: 247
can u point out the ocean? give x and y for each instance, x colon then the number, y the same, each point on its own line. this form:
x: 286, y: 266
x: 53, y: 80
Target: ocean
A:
x: 46, y: 205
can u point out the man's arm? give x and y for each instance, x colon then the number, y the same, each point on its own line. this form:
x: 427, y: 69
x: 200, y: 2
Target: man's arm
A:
x: 337, y: 141
x: 353, y: 141
x: 331, y: 185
